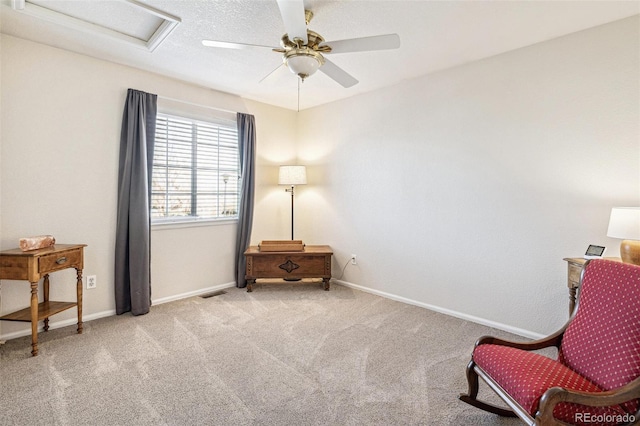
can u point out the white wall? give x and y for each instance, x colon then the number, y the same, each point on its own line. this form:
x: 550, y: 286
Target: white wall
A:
x: 463, y: 190
x: 60, y: 135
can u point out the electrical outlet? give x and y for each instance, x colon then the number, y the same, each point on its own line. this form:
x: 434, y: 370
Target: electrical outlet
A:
x: 92, y: 281
x: 353, y: 259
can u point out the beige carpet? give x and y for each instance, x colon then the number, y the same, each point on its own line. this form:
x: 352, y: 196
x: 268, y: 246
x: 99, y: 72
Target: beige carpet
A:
x: 286, y: 354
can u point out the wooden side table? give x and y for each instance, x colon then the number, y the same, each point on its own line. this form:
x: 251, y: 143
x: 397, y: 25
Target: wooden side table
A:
x: 30, y: 266
x: 575, y: 265
x: 313, y: 262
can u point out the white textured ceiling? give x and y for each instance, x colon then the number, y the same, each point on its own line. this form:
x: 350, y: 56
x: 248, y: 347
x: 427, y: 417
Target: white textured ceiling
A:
x: 434, y: 35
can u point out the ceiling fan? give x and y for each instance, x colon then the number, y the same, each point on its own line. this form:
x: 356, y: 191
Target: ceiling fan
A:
x: 303, y: 50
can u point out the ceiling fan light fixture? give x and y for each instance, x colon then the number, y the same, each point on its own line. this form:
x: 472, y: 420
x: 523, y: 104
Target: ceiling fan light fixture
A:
x: 303, y: 62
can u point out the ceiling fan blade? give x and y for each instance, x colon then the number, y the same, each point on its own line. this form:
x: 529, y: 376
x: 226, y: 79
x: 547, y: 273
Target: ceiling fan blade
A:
x: 338, y: 74
x: 292, y: 12
x: 364, y: 44
x: 229, y: 45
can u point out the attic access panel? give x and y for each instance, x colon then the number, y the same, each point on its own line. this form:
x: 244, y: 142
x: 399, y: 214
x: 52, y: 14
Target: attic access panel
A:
x: 124, y: 20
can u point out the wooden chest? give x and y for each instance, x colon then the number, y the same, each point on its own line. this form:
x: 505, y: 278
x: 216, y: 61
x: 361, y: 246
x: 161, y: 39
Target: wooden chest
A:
x: 312, y: 262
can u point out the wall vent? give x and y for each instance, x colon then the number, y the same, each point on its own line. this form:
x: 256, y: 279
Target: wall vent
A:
x: 215, y: 293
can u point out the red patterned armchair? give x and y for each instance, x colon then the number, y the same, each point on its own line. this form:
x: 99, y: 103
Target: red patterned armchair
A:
x: 596, y: 378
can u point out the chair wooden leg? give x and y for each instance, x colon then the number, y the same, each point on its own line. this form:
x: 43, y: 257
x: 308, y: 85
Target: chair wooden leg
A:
x: 472, y: 379
x: 471, y: 397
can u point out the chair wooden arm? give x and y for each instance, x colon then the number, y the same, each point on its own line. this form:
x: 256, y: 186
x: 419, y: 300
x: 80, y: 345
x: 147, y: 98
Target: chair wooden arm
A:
x: 552, y: 340
x: 557, y: 395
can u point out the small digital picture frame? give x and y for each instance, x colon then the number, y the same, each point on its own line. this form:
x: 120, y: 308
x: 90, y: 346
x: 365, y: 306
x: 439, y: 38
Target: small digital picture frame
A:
x: 594, y: 252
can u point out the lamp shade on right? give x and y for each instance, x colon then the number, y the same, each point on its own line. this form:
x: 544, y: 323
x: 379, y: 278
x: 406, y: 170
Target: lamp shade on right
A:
x: 624, y: 223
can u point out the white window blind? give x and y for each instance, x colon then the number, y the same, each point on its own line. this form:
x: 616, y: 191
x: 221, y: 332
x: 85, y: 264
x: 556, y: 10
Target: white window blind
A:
x: 195, y: 170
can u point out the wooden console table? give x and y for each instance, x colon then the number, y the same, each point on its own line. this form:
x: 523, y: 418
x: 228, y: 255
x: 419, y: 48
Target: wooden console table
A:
x: 30, y: 266
x: 313, y: 262
x: 575, y: 265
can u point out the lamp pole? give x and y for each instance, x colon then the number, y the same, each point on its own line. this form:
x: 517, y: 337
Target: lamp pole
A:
x: 291, y: 190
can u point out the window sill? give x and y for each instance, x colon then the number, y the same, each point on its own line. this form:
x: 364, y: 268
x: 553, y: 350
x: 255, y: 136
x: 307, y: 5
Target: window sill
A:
x: 177, y: 224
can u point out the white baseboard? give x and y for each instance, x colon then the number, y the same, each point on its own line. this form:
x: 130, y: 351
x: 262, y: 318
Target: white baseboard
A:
x: 483, y: 321
x: 111, y: 312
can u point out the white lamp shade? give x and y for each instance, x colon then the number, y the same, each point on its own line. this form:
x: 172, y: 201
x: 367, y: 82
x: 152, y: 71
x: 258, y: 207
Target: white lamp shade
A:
x: 303, y: 65
x: 624, y: 223
x: 292, y: 175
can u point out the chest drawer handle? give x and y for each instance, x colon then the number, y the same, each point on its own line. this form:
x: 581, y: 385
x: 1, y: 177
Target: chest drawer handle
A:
x: 61, y: 260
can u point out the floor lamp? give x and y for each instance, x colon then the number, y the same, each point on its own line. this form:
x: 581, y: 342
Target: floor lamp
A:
x: 292, y: 176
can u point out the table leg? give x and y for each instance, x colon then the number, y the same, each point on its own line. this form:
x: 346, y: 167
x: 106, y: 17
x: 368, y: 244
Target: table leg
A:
x: 250, y: 285
x: 34, y: 318
x: 327, y: 285
x: 79, y: 299
x: 45, y: 287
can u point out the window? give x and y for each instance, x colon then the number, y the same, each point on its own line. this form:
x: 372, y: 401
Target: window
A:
x: 196, y: 170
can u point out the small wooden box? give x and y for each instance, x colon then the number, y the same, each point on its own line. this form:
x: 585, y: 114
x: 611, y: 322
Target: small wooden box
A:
x: 281, y: 245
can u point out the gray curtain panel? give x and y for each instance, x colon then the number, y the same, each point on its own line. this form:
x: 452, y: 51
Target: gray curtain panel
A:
x: 132, y: 263
x: 247, y: 149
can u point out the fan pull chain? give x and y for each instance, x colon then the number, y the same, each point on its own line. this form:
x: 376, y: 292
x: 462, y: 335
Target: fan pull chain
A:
x: 298, y: 95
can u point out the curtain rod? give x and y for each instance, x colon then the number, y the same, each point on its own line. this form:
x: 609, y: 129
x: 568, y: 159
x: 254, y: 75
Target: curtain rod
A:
x: 198, y: 105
